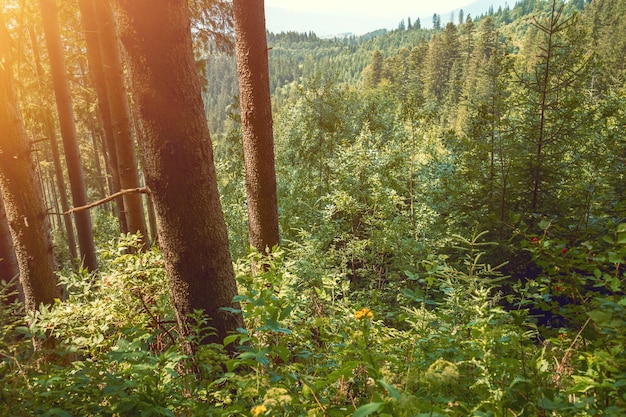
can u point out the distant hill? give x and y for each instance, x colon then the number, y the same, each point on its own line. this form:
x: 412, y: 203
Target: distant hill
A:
x: 328, y: 25
x: 475, y: 9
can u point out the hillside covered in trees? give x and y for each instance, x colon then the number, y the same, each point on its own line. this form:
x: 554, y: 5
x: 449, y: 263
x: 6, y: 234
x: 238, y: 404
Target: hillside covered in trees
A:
x: 421, y: 222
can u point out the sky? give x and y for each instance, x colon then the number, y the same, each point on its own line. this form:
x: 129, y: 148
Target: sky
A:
x: 328, y: 17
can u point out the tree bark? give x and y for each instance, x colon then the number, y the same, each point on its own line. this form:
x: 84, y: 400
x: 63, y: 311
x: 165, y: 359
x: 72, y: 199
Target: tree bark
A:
x: 48, y: 125
x: 256, y: 123
x: 90, y: 28
x: 9, y: 268
x: 26, y: 213
x: 68, y: 132
x: 179, y: 167
x: 120, y: 118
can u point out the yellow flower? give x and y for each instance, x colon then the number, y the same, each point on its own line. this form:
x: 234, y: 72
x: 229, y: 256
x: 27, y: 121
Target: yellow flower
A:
x: 257, y: 410
x: 364, y: 313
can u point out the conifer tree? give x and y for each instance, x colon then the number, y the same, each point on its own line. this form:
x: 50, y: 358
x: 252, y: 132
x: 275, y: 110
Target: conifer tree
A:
x: 9, y: 269
x: 551, y: 101
x: 68, y: 133
x: 21, y: 193
x: 179, y: 165
x: 256, y: 123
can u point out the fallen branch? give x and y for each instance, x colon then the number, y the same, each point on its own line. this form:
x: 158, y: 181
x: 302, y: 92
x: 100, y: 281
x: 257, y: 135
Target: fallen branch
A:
x: 142, y: 190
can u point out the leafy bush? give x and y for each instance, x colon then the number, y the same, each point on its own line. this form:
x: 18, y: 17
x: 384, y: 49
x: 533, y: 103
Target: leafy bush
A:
x: 452, y: 348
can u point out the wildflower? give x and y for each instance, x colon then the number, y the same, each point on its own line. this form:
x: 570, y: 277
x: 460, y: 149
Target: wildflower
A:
x: 535, y: 240
x: 564, y: 251
x: 364, y: 313
x: 258, y: 410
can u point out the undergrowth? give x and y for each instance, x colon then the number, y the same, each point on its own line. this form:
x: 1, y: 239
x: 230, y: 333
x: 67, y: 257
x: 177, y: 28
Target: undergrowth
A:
x: 454, y: 341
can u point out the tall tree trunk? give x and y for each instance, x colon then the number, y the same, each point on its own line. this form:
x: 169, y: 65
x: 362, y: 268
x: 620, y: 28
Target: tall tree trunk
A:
x: 68, y: 132
x: 179, y: 167
x: 256, y: 123
x: 26, y: 213
x: 120, y: 119
x: 90, y: 28
x: 152, y: 221
x: 96, y: 160
x: 49, y: 131
x: 9, y: 268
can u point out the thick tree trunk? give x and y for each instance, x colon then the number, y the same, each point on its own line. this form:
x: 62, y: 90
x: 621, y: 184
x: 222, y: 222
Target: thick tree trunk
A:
x: 9, y: 268
x: 256, y: 123
x: 68, y: 132
x: 120, y: 118
x: 29, y: 224
x: 179, y: 168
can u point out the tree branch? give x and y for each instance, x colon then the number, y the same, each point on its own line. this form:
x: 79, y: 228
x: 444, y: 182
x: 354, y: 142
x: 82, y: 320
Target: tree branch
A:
x: 120, y: 193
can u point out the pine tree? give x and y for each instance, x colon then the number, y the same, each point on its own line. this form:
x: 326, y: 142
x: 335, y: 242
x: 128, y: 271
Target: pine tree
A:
x: 256, y: 123
x: 21, y: 193
x: 179, y: 164
x: 551, y: 103
x: 63, y: 97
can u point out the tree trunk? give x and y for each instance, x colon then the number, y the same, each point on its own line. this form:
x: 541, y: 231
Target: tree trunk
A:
x: 49, y: 131
x: 256, y: 123
x: 29, y: 224
x: 120, y: 119
x: 90, y: 27
x: 68, y: 132
x: 9, y: 268
x: 179, y: 168
x: 96, y: 161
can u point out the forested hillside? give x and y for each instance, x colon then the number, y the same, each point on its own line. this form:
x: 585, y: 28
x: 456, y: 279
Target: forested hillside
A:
x: 451, y: 208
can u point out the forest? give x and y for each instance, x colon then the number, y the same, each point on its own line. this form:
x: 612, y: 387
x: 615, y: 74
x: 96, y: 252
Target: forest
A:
x: 199, y: 217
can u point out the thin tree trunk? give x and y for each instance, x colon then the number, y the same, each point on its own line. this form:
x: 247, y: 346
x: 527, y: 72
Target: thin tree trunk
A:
x: 119, y: 202
x: 121, y: 120
x: 152, y: 221
x: 26, y: 214
x: 179, y: 167
x: 256, y: 123
x: 49, y: 131
x: 96, y: 160
x: 68, y: 133
x: 90, y: 28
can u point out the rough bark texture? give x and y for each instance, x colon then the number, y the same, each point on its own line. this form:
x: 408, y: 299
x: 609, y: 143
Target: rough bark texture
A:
x: 256, y: 123
x: 9, y: 268
x: 26, y: 213
x: 68, y: 132
x: 120, y: 119
x: 179, y: 168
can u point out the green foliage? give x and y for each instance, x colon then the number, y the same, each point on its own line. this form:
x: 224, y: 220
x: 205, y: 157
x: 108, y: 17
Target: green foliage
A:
x: 376, y: 304
x: 454, y: 347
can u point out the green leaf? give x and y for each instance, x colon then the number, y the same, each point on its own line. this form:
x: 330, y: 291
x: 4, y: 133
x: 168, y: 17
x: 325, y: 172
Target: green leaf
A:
x: 392, y: 390
x: 230, y: 339
x: 619, y: 383
x: 615, y: 258
x: 367, y: 409
x: 608, y: 239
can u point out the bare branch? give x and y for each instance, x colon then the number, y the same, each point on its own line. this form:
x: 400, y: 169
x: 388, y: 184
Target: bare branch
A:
x: 120, y: 193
